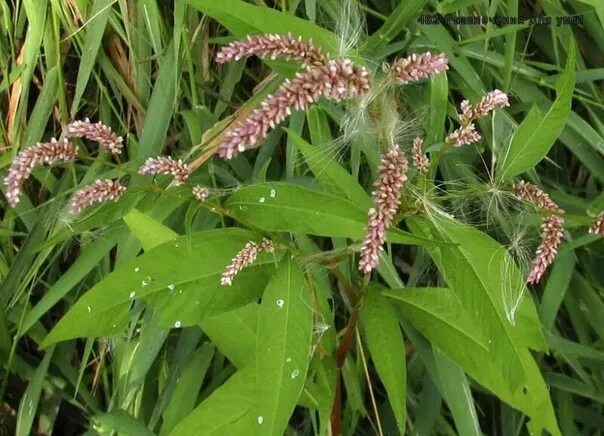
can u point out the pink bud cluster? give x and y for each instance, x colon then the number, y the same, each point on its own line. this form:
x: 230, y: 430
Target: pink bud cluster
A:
x: 336, y: 80
x: 244, y: 258
x: 98, y: 132
x: 552, y: 228
x: 166, y: 165
x: 418, y: 67
x: 98, y: 191
x: 273, y: 47
x: 386, y: 197
x: 45, y: 153
x: 418, y: 157
x: 466, y: 133
x: 597, y: 228
x: 200, y: 192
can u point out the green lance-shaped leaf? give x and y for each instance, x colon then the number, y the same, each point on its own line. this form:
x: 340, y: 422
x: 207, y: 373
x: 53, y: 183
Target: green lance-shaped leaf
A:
x: 441, y: 317
x: 536, y: 135
x: 230, y: 409
x: 387, y: 348
x: 285, y: 207
x: 180, y: 278
x: 285, y: 324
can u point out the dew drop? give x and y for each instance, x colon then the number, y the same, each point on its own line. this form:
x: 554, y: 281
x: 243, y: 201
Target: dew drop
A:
x: 295, y: 373
x: 146, y: 281
x: 261, y: 200
x: 89, y: 309
x: 171, y: 286
x: 280, y: 303
x: 137, y: 269
x: 260, y: 419
x: 273, y: 193
x: 289, y: 359
x: 132, y: 294
x: 177, y: 324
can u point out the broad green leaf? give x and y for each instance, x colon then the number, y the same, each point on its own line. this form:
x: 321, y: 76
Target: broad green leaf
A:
x: 440, y: 316
x: 536, y: 135
x: 243, y: 19
x: 180, y: 278
x: 487, y: 281
x: 387, y: 348
x: 284, y: 207
x: 239, y: 348
x: 148, y: 231
x: 330, y: 174
x: 228, y: 409
x: 285, y: 324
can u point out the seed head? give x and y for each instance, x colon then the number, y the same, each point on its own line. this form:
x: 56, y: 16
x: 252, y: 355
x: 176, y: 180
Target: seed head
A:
x: 45, y: 153
x: 551, y: 236
x: 597, y: 228
x: 166, y: 165
x: 336, y: 80
x: 273, y: 47
x: 98, y: 191
x: 419, y: 158
x: 418, y: 67
x: 386, y: 197
x: 98, y: 132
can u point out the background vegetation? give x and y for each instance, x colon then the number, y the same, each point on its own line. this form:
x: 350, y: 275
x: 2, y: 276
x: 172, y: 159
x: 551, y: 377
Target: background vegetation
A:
x: 115, y: 321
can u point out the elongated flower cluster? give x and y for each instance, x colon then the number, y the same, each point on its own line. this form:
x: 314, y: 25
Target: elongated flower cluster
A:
x: 244, y: 258
x: 597, y: 228
x: 273, y: 46
x: 336, y: 80
x: 418, y: 157
x: 526, y: 191
x: 552, y: 227
x: 166, y: 165
x: 98, y: 191
x: 200, y: 192
x: 551, y: 236
x: 417, y: 67
x: 386, y: 198
x: 45, y: 153
x: 466, y: 134
x: 98, y: 132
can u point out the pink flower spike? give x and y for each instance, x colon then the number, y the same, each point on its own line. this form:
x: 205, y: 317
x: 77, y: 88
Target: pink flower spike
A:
x: 386, y: 197
x: 201, y: 193
x: 464, y: 135
x: 166, y: 165
x: 244, y: 258
x: 489, y: 102
x: 98, y: 132
x: 273, y: 46
x: 526, y: 191
x: 337, y: 80
x: 419, y: 158
x: 551, y: 236
x: 45, y: 153
x: 98, y: 191
x: 597, y: 228
x: 418, y: 67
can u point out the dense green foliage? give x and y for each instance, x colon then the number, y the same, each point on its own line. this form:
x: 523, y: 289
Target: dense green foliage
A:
x: 115, y: 321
